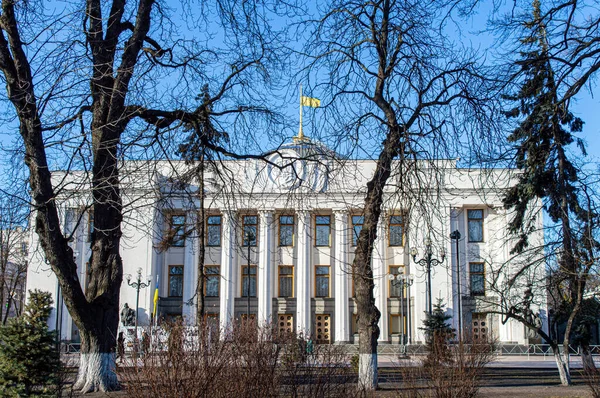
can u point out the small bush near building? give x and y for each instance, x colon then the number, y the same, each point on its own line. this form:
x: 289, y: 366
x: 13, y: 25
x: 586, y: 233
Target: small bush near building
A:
x: 29, y: 359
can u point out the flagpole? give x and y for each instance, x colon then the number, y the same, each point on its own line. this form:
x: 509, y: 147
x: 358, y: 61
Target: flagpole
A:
x: 300, y: 132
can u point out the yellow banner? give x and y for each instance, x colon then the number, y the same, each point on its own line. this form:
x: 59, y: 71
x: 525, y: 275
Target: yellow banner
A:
x: 308, y: 101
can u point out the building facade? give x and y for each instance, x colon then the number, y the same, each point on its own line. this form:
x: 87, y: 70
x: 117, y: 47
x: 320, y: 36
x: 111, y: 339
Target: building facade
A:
x: 280, y: 240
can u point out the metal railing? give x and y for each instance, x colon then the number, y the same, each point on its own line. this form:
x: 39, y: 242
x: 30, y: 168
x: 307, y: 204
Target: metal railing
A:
x: 67, y: 347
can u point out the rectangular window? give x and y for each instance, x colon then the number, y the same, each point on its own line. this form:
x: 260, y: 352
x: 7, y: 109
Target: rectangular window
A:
x: 322, y: 230
x: 396, y: 324
x: 90, y: 225
x: 249, y: 230
x: 475, y: 218
x: 321, y: 281
x: 396, y: 286
x: 249, y: 281
x: 212, y: 280
x: 213, y: 231
x: 177, y: 230
x: 396, y: 231
x: 286, y: 230
x: 176, y: 281
x: 354, y: 324
x: 286, y: 281
x: 477, y: 278
x: 357, y: 225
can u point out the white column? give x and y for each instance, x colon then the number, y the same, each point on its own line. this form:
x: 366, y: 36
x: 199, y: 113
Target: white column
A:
x: 228, y: 260
x: 303, y: 275
x: 189, y: 282
x: 341, y: 270
x: 265, y: 258
x: 380, y: 277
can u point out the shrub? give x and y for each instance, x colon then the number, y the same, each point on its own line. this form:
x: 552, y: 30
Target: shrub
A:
x: 459, y: 376
x: 29, y: 358
x: 245, y: 361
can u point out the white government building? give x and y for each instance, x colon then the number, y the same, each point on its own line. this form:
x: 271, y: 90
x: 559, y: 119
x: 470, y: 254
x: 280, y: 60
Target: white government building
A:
x: 304, y: 218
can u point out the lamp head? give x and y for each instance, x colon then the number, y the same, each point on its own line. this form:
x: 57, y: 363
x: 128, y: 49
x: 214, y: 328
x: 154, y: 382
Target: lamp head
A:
x: 427, y: 242
x: 413, y: 252
x: 390, y: 277
x: 455, y: 235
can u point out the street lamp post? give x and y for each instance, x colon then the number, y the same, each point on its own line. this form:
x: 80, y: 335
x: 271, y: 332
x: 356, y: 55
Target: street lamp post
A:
x: 428, y: 261
x: 456, y: 235
x: 405, y: 281
x: 137, y: 285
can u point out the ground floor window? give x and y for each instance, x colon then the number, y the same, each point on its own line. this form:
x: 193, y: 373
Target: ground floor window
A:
x: 176, y: 281
x: 480, y: 327
x: 285, y: 323
x: 323, y: 328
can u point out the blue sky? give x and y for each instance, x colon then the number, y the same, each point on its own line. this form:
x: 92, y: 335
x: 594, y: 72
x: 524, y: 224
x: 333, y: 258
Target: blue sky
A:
x: 472, y: 32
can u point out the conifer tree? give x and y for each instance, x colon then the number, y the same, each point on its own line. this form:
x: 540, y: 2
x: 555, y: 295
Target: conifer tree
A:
x: 545, y: 130
x: 29, y: 359
x: 438, y: 333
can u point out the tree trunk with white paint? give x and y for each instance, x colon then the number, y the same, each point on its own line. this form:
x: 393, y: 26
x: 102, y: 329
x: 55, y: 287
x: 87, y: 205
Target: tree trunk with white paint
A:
x: 562, y: 365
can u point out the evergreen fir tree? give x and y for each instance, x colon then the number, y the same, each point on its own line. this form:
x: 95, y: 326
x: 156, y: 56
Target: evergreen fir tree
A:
x: 29, y: 359
x: 438, y: 333
x: 541, y: 138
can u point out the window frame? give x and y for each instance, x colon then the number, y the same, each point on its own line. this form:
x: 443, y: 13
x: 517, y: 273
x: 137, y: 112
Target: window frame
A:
x: 171, y: 275
x: 354, y: 225
x: 209, y: 225
x: 173, y: 233
x: 391, y: 225
x: 480, y: 274
x: 479, y: 220
x: 328, y: 276
x: 292, y: 225
x: 254, y: 275
x: 279, y: 276
x: 255, y: 225
x: 217, y: 276
x: 402, y: 290
x: 321, y: 224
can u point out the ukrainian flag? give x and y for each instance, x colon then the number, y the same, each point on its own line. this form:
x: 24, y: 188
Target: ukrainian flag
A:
x: 308, y: 101
x: 155, y: 297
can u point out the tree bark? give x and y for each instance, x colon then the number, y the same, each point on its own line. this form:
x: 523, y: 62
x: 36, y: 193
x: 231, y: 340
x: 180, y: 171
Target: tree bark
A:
x: 562, y: 365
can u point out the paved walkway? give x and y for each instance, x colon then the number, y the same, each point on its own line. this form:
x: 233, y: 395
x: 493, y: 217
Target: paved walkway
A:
x: 505, y: 361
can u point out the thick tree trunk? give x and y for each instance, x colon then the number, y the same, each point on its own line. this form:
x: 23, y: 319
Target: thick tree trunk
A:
x: 97, y: 358
x: 562, y: 364
x: 586, y: 358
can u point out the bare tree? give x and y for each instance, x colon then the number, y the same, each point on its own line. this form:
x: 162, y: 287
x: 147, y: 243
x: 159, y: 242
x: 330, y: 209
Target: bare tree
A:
x: 87, y: 87
x: 393, y: 76
x: 13, y: 256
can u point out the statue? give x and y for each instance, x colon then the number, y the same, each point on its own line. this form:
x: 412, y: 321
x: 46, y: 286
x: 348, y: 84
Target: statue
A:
x: 127, y: 316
